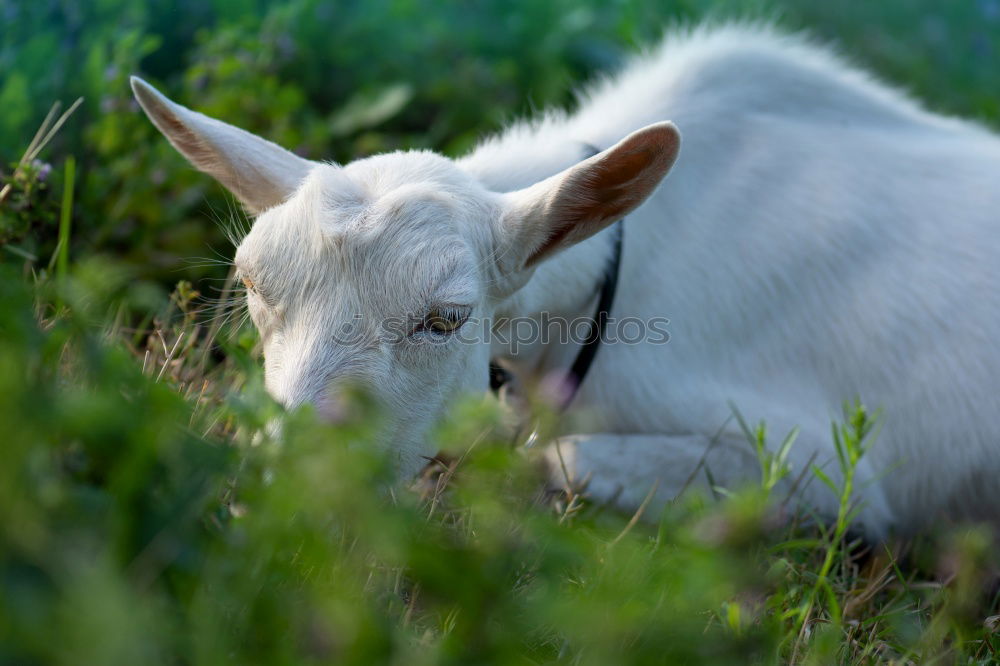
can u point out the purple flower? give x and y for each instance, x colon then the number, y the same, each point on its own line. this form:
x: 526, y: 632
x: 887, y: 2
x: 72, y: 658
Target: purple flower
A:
x: 556, y: 389
x: 42, y: 169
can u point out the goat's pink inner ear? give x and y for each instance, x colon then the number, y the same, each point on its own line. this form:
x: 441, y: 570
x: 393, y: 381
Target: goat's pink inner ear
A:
x: 579, y: 202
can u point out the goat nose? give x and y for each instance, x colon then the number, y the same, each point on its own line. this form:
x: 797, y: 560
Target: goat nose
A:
x: 328, y: 405
x: 334, y: 407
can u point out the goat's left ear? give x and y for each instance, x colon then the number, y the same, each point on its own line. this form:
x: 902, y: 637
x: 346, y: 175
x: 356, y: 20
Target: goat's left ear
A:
x: 260, y: 173
x: 580, y: 201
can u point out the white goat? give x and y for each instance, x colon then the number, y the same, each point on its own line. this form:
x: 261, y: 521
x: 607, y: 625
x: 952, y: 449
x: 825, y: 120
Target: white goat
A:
x: 821, y: 238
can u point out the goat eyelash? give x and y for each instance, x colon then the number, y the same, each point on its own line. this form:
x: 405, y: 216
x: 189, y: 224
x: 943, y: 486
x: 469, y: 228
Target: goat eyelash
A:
x: 442, y: 320
x: 249, y: 283
x: 252, y: 288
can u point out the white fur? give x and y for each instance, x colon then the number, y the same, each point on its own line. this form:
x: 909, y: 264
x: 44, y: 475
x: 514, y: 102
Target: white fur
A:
x: 821, y: 237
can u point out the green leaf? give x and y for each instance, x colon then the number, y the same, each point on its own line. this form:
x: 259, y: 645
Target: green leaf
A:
x: 827, y: 481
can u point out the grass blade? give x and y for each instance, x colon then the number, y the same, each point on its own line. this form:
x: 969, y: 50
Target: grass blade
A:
x: 65, y: 217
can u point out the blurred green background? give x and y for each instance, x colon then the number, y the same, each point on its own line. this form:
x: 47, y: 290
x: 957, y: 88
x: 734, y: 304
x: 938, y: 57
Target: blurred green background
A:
x: 146, y: 517
x: 341, y: 80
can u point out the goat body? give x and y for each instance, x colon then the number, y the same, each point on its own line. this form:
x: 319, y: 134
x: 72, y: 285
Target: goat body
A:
x: 820, y: 238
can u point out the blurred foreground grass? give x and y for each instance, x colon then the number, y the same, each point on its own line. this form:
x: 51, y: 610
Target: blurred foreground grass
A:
x: 145, y: 516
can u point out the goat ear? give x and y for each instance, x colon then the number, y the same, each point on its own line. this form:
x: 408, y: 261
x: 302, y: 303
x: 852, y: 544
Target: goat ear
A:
x: 580, y: 201
x: 260, y: 173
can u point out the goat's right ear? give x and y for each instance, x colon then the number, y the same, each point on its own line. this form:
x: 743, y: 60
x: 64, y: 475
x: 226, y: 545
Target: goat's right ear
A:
x: 260, y: 173
x: 575, y: 204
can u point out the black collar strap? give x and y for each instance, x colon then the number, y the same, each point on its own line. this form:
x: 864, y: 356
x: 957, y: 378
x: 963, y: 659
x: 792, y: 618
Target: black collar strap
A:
x: 598, y: 325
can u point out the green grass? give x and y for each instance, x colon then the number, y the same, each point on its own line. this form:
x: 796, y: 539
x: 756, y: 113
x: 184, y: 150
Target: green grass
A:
x: 65, y: 217
x: 146, y: 516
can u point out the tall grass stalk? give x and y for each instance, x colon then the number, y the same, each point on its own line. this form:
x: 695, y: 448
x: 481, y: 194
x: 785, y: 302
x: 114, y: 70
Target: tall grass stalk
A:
x: 65, y: 218
x: 848, y: 439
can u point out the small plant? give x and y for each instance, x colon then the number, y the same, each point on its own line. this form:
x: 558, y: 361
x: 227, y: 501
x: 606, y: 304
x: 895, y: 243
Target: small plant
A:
x: 26, y: 201
x: 773, y: 465
x: 849, y: 439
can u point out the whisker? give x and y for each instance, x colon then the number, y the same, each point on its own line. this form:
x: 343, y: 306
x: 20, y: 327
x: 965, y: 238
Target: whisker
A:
x: 233, y: 222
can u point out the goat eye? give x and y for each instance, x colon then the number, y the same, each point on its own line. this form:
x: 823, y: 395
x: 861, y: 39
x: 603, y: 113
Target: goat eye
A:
x: 247, y: 282
x: 443, y: 321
